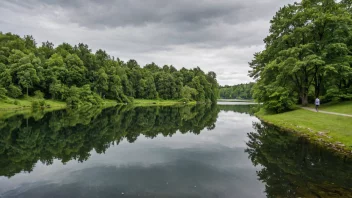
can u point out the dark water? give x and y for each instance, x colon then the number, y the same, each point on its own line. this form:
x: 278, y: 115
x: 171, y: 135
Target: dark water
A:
x: 201, y: 151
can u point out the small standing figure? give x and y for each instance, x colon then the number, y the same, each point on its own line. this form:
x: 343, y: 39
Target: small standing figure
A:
x: 317, y: 104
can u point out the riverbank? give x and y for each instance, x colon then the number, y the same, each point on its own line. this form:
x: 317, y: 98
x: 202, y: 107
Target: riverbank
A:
x: 236, y: 100
x: 334, y: 131
x: 9, y: 104
x: 143, y: 103
x: 10, y: 107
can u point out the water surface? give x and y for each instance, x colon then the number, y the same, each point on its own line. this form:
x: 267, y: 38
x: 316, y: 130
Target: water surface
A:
x: 192, y: 151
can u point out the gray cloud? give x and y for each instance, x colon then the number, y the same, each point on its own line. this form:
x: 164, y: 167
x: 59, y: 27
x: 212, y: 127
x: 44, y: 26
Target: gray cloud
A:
x: 216, y: 35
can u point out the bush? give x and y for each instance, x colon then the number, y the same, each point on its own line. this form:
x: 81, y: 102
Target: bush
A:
x: 35, y: 104
x: 38, y: 94
x: 184, y: 100
x: 131, y: 99
x: 16, y: 102
x: 14, y: 91
x: 42, y: 103
x: 3, y: 92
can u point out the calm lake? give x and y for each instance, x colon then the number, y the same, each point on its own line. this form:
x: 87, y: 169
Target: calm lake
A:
x: 191, y: 151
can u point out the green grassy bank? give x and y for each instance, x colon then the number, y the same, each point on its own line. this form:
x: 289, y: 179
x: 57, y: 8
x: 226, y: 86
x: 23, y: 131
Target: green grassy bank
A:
x: 333, y: 131
x: 10, y: 107
x: 142, y: 102
x: 25, y: 103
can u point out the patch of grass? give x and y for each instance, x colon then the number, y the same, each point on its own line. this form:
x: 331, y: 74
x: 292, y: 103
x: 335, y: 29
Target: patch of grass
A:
x: 235, y: 100
x: 109, y: 103
x: 142, y: 102
x: 10, y: 107
x: 26, y: 102
x: 332, y: 129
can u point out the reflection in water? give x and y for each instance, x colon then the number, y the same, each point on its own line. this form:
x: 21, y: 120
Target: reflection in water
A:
x: 68, y: 135
x: 191, y: 151
x: 203, y: 158
x: 294, y: 168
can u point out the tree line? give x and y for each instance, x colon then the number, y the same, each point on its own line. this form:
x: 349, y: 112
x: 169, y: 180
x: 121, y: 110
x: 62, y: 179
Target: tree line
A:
x: 241, y: 91
x: 77, y: 75
x: 307, y: 54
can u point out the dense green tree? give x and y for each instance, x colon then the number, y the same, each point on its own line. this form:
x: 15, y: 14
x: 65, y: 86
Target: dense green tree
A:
x: 5, y: 76
x: 188, y: 93
x: 3, y: 92
x: 56, y: 89
x: 307, y: 54
x: 60, y: 71
x: 241, y: 91
x: 14, y: 91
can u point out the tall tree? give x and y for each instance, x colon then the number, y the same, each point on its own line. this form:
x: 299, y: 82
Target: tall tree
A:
x: 307, y: 43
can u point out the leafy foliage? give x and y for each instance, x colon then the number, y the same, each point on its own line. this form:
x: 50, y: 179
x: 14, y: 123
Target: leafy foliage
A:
x: 307, y: 55
x: 241, y: 91
x: 78, y: 76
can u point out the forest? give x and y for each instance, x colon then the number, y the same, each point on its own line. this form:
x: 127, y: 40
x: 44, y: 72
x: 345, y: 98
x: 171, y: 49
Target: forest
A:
x: 76, y: 75
x: 308, y: 54
x: 241, y: 91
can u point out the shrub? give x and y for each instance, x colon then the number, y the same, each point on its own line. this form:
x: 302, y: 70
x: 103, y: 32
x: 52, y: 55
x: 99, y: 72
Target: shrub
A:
x: 14, y: 91
x: 42, y: 103
x: 38, y: 94
x: 35, y: 104
x: 184, y: 100
x: 16, y: 102
x: 131, y: 99
x: 3, y: 92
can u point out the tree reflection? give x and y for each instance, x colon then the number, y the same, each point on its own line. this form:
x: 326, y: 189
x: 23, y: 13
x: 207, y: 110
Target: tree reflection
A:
x: 294, y: 168
x: 73, y: 134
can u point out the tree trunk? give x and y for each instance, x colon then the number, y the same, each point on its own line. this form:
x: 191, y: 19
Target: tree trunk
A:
x: 304, y: 96
x: 317, y: 85
x: 304, y: 99
x: 27, y: 91
x: 317, y: 91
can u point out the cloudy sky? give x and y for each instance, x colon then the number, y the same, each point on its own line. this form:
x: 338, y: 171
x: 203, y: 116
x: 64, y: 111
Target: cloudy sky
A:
x: 216, y: 35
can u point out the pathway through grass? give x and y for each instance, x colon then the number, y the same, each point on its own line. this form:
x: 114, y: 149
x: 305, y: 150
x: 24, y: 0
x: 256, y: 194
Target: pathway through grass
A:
x: 327, y: 112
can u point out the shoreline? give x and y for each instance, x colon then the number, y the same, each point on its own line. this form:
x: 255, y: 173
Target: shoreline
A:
x: 11, y: 109
x: 314, y: 136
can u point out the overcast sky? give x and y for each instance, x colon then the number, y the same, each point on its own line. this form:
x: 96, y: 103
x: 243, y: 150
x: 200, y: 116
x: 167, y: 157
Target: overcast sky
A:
x: 216, y: 35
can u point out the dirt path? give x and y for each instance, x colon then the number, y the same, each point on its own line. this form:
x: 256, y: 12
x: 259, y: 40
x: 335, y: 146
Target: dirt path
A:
x: 327, y: 112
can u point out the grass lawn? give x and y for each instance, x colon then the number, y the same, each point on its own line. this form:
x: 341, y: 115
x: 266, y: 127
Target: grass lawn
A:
x: 329, y: 128
x: 343, y: 107
x: 9, y: 103
x: 142, y: 102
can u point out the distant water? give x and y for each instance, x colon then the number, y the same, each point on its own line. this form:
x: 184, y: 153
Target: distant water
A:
x: 193, y: 151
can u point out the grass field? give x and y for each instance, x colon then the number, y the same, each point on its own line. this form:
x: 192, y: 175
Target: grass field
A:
x: 333, y: 129
x: 142, y: 102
